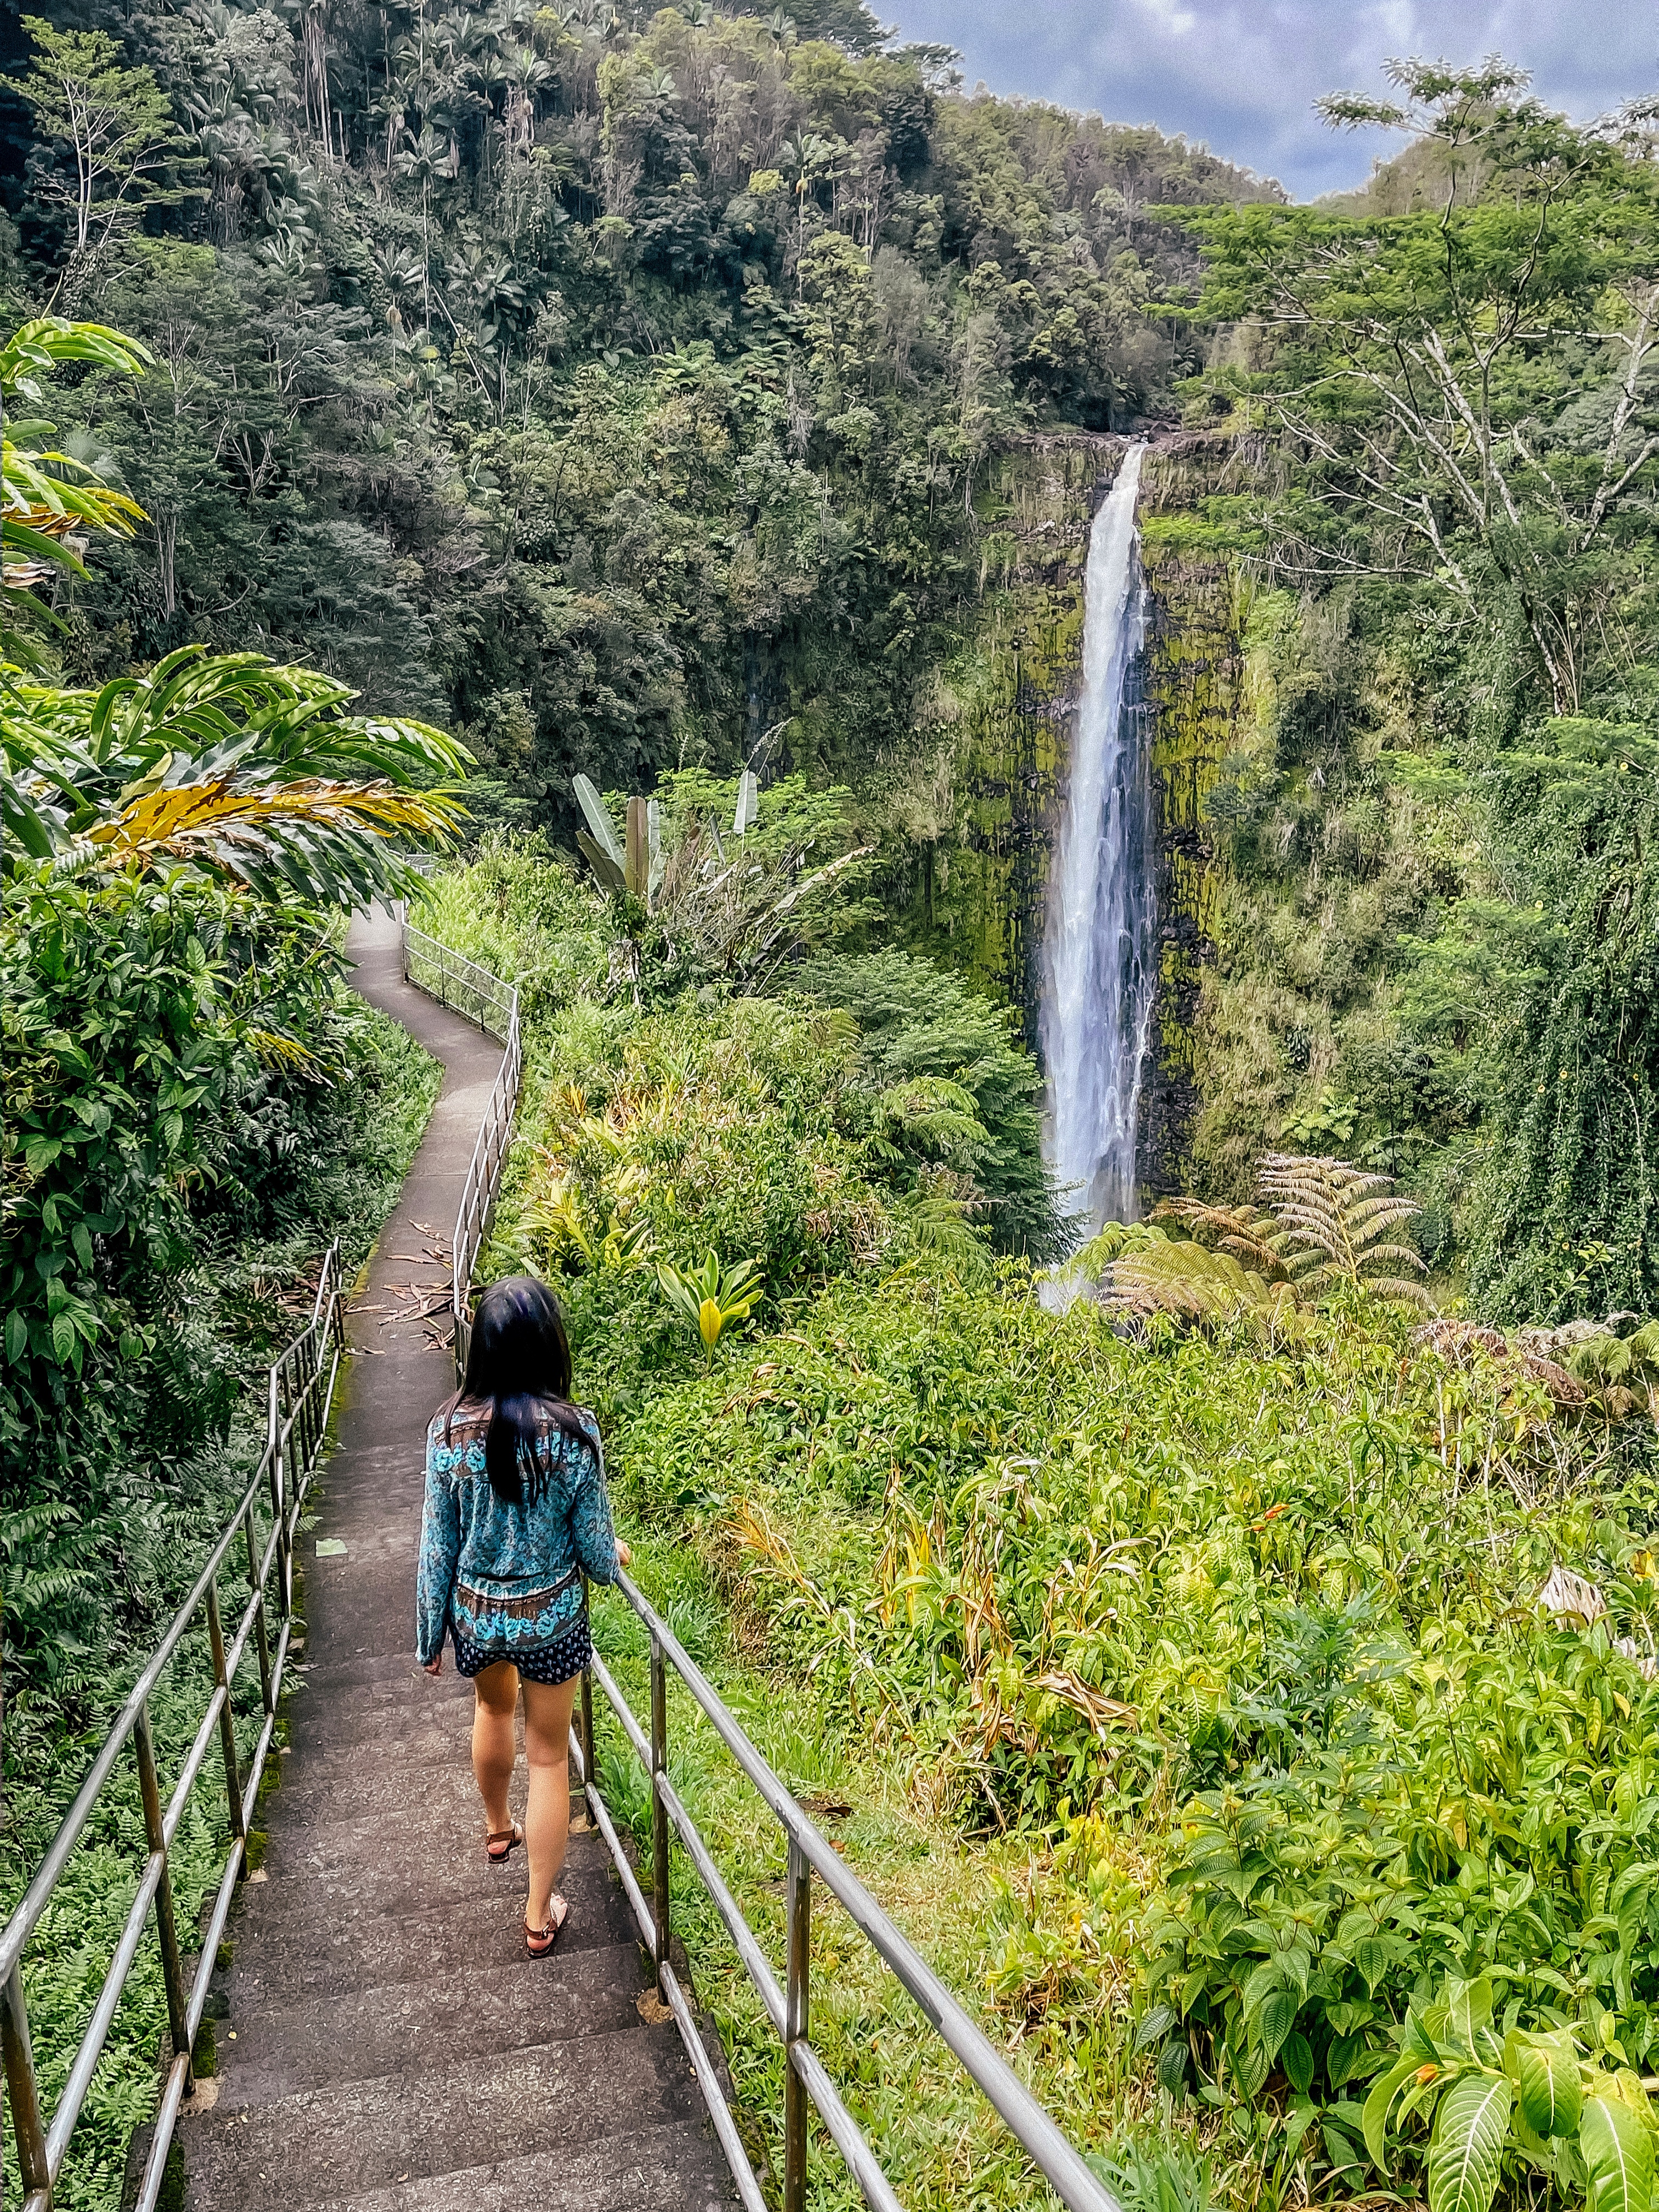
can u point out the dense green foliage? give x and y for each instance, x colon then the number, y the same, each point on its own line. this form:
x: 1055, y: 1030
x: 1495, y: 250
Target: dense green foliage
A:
x: 1433, y: 820
x: 625, y: 392
x: 115, y: 1488
x: 1216, y: 1652
x: 624, y: 387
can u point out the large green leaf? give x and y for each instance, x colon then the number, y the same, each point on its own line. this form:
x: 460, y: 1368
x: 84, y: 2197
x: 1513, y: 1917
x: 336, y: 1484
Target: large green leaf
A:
x: 1470, y: 2129
x: 1375, y: 2119
x: 1545, y: 2071
x: 1469, y: 2008
x: 598, y: 821
x: 1276, y: 2020
x: 610, y: 876
x: 1618, y: 2154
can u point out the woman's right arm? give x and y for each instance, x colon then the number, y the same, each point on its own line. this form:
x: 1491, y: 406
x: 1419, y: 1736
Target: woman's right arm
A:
x: 440, y: 1550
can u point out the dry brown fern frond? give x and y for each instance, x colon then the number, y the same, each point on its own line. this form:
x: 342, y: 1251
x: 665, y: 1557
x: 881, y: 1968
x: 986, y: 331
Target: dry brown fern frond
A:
x: 1456, y: 1341
x: 1244, y: 1230
x: 1334, y: 1217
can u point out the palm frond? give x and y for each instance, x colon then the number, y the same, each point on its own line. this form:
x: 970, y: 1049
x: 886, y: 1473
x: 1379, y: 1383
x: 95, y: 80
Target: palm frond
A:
x: 225, y: 761
x: 307, y: 836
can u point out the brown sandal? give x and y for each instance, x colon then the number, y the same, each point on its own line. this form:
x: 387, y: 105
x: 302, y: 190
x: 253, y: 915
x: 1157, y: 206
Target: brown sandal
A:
x: 508, y: 1839
x: 539, y: 1941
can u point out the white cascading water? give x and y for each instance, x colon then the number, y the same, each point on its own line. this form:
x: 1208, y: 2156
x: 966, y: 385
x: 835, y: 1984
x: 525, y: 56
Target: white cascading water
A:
x: 1100, y: 946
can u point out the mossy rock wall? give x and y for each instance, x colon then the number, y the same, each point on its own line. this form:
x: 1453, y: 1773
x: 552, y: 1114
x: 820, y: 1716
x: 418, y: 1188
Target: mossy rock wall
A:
x: 984, y: 799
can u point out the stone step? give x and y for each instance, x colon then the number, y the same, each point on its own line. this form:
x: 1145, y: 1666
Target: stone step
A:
x: 670, y: 2169
x: 421, y: 1863
x: 359, y: 1678
x: 332, y: 1746
x: 345, y: 1786
x: 303, y: 1945
x: 466, y: 2009
x: 595, y: 2094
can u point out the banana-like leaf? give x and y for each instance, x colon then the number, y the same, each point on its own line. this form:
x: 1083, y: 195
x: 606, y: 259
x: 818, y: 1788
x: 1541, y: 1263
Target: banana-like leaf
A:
x: 748, y: 803
x: 1470, y: 2129
x: 611, y: 878
x: 658, y: 859
x: 1617, y: 2154
x: 1545, y: 2071
x: 38, y: 346
x: 599, y: 823
x: 639, y: 864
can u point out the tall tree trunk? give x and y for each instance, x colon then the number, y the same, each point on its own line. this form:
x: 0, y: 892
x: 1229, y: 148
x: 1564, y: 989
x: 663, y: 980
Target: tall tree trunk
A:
x: 166, y: 547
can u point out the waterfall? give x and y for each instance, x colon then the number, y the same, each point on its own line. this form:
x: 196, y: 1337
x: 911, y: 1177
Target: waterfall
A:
x: 1099, y: 949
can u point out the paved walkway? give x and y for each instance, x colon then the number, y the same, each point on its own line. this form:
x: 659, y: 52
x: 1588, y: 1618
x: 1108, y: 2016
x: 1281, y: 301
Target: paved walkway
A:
x: 389, y: 2047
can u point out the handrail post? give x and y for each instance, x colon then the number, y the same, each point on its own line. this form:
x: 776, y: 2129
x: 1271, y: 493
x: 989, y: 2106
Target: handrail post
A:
x: 590, y: 1780
x: 227, y: 1721
x: 261, y: 1641
x: 172, y: 1971
x: 278, y: 1499
x: 797, y: 2019
x: 22, y: 2086
x: 658, y: 1810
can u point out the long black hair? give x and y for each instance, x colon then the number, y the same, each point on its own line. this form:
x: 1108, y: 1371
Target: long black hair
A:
x: 518, y: 1364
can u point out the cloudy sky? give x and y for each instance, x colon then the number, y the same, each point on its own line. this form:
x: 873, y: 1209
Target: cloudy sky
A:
x: 1242, y: 75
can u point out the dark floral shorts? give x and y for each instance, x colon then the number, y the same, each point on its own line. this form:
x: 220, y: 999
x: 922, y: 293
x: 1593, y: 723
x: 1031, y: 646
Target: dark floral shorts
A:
x: 552, y: 1663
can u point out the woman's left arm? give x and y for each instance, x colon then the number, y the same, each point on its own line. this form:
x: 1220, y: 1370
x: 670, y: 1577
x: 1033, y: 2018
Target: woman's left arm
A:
x: 590, y: 1525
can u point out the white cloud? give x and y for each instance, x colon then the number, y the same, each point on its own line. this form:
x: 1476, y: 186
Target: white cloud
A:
x: 1169, y: 17
x: 1243, y: 75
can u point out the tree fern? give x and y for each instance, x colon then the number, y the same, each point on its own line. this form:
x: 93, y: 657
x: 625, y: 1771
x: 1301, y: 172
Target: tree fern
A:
x: 1334, y: 1227
x: 1248, y: 1234
x: 1155, y: 1272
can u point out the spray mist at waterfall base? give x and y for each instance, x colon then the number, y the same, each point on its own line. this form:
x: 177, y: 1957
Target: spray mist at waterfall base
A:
x: 1100, y: 941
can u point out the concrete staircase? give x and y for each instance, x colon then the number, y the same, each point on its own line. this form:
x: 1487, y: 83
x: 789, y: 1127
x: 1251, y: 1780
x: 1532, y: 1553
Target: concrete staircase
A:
x: 385, y: 2045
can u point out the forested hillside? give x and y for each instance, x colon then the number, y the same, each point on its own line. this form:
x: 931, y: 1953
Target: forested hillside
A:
x: 618, y: 388
x: 1432, y: 832
x: 663, y: 444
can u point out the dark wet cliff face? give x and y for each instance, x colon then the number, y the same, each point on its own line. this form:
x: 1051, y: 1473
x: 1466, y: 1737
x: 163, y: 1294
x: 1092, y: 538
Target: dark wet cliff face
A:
x: 985, y: 807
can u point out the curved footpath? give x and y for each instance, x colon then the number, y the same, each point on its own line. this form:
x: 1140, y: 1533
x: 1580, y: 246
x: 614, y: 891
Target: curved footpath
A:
x: 385, y: 2044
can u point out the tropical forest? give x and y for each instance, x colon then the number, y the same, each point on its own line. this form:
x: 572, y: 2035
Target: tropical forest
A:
x: 1061, y: 750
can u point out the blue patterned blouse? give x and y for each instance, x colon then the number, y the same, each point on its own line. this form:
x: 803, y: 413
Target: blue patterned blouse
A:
x: 509, y: 1577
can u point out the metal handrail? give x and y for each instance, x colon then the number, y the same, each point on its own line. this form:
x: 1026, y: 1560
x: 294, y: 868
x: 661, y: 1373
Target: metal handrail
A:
x: 457, y: 982
x: 788, y: 2008
x: 299, y: 1396
x: 468, y: 989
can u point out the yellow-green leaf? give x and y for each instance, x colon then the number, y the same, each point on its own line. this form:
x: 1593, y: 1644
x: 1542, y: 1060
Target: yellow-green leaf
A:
x: 1545, y: 2072
x: 1470, y: 2128
x: 1617, y: 2154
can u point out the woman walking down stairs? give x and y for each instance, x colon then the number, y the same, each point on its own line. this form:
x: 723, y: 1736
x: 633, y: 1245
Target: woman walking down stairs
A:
x: 385, y: 2044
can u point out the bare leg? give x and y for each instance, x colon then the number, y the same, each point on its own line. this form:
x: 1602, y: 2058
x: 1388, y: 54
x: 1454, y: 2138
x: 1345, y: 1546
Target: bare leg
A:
x: 496, y: 1690
x: 547, y: 1814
